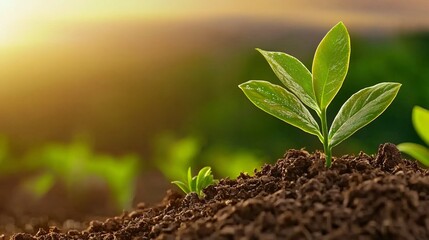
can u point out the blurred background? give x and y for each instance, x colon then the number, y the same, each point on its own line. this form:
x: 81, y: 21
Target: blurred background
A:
x: 103, y: 103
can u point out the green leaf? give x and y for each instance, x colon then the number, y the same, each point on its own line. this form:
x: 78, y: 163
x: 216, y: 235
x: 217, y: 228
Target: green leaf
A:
x: 360, y: 109
x: 194, y: 184
x: 182, y: 186
x: 330, y: 64
x: 208, y: 181
x: 416, y: 151
x: 294, y: 75
x: 202, y: 175
x: 280, y: 103
x: 190, y: 179
x: 421, y: 123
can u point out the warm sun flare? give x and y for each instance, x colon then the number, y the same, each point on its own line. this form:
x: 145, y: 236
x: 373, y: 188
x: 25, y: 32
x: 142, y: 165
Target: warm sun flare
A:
x: 16, y: 19
x: 26, y: 21
x: 9, y: 21
x: 29, y: 22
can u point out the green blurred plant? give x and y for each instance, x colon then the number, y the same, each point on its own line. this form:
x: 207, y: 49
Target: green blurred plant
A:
x: 196, y: 183
x: 174, y: 155
x: 120, y: 175
x: 74, y: 164
x: 420, y: 118
x: 316, y: 90
x: 230, y: 163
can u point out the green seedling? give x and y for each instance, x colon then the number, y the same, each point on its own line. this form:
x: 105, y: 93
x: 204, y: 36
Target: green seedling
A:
x: 316, y: 90
x: 420, y: 118
x: 197, y: 183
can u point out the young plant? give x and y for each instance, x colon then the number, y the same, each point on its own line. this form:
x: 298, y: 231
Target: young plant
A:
x: 420, y: 118
x: 316, y: 90
x: 197, y: 183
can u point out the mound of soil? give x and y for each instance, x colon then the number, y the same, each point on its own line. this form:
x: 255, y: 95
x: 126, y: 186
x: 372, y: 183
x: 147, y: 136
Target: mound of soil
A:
x: 359, y: 197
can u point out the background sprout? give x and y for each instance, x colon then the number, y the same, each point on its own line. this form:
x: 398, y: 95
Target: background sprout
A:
x: 420, y: 118
x: 76, y: 163
x: 316, y: 90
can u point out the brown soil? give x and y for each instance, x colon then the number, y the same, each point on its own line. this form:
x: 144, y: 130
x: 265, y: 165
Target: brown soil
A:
x: 359, y: 197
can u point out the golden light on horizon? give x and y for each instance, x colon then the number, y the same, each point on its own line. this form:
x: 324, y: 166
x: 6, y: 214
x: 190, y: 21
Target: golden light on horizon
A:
x: 11, y: 20
x: 28, y: 22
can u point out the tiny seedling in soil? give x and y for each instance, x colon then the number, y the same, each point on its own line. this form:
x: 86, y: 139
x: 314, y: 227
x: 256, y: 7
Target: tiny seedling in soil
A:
x: 316, y: 90
x: 197, y: 183
x: 420, y: 118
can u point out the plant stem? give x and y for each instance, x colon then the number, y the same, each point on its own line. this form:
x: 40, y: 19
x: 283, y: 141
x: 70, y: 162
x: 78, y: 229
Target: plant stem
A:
x: 326, y: 148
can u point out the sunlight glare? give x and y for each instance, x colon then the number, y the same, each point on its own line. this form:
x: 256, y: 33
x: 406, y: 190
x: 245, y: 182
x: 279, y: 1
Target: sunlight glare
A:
x: 26, y: 21
x: 9, y: 21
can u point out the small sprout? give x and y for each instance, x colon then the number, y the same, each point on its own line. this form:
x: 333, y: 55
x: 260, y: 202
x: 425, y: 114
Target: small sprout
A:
x: 316, y: 90
x: 420, y: 118
x: 197, y: 183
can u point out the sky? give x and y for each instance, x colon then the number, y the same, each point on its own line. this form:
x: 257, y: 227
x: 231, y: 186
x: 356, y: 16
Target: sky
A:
x: 27, y: 21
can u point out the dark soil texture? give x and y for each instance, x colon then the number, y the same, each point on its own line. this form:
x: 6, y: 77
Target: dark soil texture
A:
x: 359, y: 197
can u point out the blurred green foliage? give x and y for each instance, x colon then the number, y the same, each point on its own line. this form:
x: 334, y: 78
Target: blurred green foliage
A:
x: 231, y: 162
x: 174, y: 155
x: 74, y: 165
